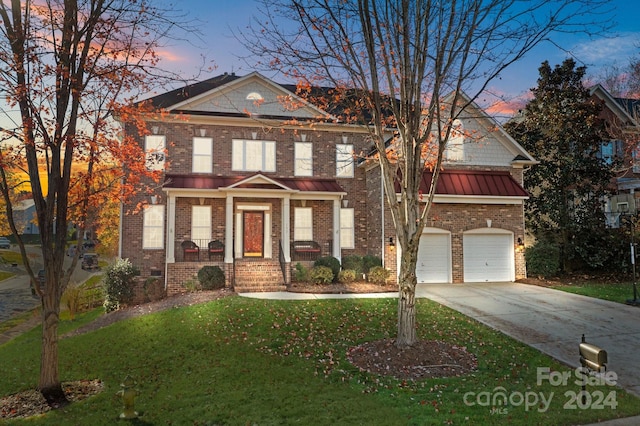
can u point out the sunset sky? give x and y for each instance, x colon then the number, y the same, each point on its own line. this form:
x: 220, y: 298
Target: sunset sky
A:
x: 217, y: 19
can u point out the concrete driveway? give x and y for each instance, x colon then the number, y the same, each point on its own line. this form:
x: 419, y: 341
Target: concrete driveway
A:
x: 551, y: 321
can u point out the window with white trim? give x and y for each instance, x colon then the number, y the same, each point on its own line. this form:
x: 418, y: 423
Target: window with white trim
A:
x: 303, y: 159
x: 202, y: 155
x: 455, y: 144
x: 154, y: 148
x: 344, y: 160
x: 153, y: 227
x: 254, y: 156
x: 302, y: 224
x: 201, y: 225
x: 347, y: 228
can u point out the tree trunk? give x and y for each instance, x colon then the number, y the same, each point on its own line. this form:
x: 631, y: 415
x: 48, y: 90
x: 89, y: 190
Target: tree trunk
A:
x: 50, y: 385
x: 406, y: 304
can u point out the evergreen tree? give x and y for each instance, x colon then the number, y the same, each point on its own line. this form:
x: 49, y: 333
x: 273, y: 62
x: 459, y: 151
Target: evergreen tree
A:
x: 561, y: 127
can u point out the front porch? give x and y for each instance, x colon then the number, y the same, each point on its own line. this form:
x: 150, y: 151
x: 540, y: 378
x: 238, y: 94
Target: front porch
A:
x: 254, y: 229
x: 244, y: 274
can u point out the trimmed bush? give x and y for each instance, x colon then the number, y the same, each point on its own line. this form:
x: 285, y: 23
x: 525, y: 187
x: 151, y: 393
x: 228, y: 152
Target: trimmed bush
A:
x: 378, y: 275
x: 321, y: 275
x: 369, y: 261
x: 347, y: 276
x: 331, y: 263
x: 211, y: 277
x: 118, y: 284
x: 353, y: 262
x: 301, y: 273
x: 543, y: 259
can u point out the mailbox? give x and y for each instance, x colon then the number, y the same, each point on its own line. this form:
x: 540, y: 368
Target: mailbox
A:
x: 592, y: 356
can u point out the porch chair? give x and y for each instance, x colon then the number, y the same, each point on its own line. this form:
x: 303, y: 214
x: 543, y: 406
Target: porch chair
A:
x: 189, y: 247
x: 216, y: 248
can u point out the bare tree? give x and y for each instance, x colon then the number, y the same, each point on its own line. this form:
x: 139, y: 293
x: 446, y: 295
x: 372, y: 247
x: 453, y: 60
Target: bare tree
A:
x: 66, y: 67
x: 411, y: 66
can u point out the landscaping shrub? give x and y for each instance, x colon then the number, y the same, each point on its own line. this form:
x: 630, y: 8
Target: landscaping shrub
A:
x: 347, y: 276
x: 543, y: 259
x: 369, y: 261
x: 301, y: 274
x: 118, y: 283
x: 378, y: 275
x: 330, y: 262
x: 353, y: 262
x: 321, y: 275
x: 211, y: 277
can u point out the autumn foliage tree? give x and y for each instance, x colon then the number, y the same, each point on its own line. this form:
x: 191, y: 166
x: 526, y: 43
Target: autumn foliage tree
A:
x: 67, y: 67
x: 406, y: 65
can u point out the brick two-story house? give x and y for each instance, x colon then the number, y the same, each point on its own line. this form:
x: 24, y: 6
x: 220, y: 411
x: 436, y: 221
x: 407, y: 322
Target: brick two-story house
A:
x: 252, y: 186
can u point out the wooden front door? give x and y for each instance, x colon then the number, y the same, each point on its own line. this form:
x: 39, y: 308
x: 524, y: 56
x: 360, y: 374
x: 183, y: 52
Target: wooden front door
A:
x: 253, y: 234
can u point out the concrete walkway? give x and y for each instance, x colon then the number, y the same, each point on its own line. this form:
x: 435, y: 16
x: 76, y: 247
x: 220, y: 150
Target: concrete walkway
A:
x: 551, y: 321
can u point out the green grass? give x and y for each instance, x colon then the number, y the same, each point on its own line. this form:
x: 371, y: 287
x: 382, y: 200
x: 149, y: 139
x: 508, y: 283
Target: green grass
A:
x: 9, y: 256
x: 239, y: 361
x: 5, y: 274
x: 614, y: 292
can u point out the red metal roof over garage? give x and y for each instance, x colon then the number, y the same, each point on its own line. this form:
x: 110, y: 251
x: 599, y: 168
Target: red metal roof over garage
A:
x: 473, y: 183
x: 217, y: 182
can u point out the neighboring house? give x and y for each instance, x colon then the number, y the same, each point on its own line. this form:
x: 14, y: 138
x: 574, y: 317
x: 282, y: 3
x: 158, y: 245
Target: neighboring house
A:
x: 250, y: 177
x: 621, y: 116
x: 24, y: 213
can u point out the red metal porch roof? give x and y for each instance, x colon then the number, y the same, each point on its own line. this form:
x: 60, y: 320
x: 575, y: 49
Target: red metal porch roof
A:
x: 473, y: 183
x: 217, y: 182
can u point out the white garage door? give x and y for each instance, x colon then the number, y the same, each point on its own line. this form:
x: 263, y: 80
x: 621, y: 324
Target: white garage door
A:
x: 434, y: 258
x: 488, y: 257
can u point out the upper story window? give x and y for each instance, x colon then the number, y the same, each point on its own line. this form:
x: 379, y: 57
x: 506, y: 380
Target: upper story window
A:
x: 154, y: 148
x: 303, y: 159
x: 202, y: 155
x: 636, y: 159
x: 153, y: 227
x: 455, y: 144
x: 611, y: 150
x: 344, y: 160
x: 254, y: 156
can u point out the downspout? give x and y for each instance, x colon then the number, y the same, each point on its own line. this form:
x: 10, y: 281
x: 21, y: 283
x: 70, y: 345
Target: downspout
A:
x: 382, y: 204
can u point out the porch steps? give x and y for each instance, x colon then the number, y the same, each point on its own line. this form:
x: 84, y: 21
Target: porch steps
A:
x: 258, y: 275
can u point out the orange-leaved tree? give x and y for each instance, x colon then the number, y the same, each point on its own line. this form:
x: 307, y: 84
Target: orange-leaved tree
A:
x: 409, y: 67
x: 67, y: 67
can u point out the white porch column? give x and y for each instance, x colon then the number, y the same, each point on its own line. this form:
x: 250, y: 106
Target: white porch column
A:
x: 171, y: 229
x: 336, y: 233
x: 228, y: 230
x: 286, y: 229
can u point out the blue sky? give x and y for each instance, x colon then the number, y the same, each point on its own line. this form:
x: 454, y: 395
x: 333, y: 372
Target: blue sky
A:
x: 218, y: 18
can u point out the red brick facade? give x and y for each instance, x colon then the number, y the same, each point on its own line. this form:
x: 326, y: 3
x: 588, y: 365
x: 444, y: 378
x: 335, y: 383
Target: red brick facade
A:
x: 362, y: 193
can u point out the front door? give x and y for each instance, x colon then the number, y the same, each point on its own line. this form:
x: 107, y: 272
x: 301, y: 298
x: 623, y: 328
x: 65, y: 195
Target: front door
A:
x: 253, y: 234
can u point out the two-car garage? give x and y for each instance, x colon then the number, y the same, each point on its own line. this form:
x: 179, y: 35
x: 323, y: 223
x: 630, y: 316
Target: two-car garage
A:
x: 487, y: 255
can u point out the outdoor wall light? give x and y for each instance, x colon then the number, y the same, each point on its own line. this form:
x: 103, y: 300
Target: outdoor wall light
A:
x: 520, y: 245
x: 392, y: 245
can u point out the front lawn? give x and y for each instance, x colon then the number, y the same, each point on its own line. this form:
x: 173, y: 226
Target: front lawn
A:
x: 612, y: 291
x: 238, y: 361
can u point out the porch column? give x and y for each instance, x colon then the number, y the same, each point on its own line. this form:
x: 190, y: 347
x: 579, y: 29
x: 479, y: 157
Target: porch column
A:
x: 171, y: 229
x: 228, y: 230
x: 336, y: 230
x: 286, y: 229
